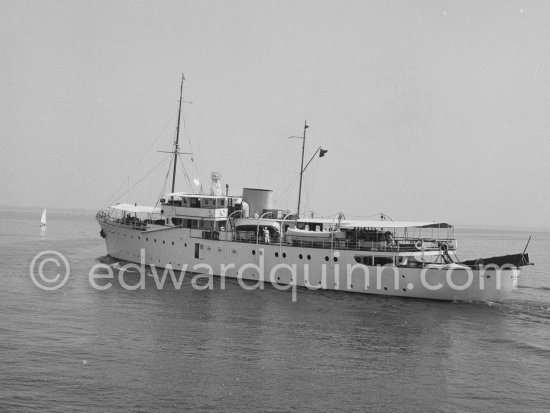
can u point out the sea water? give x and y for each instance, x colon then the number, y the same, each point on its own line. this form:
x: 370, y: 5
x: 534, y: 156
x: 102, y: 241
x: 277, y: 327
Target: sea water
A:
x: 81, y: 349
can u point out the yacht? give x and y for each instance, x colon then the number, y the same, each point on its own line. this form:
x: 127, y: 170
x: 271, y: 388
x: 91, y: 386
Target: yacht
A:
x: 245, y: 237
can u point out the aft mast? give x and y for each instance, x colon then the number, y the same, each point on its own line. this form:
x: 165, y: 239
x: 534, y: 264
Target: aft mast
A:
x: 319, y: 151
x: 302, y: 169
x: 176, y: 144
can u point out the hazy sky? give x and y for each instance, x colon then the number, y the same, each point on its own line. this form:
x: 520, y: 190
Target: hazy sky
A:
x: 429, y: 109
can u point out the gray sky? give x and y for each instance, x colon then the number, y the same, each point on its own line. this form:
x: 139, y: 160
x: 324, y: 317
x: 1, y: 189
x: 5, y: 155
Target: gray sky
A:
x: 429, y: 109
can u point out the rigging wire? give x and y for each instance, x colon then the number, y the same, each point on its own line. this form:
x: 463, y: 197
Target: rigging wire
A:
x: 155, y: 141
x: 291, y: 185
x: 310, y: 185
x: 306, y: 200
x: 186, y: 175
x: 145, y: 176
x: 159, y: 134
x: 187, y: 137
x: 163, y: 190
x: 114, y: 197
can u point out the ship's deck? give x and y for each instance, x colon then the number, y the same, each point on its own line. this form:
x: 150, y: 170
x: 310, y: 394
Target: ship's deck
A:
x: 400, y: 245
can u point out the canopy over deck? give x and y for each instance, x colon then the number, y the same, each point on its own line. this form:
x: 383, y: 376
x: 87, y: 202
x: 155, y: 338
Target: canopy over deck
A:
x: 137, y: 208
x: 194, y: 195
x: 392, y: 224
x: 345, y: 223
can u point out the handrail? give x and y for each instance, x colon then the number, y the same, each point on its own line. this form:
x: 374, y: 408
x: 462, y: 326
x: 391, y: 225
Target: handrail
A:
x: 349, y: 246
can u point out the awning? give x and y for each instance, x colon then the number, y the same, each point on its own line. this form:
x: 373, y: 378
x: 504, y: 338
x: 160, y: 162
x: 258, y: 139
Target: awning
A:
x: 346, y: 223
x: 179, y: 194
x: 392, y: 224
x: 190, y: 195
x: 136, y: 208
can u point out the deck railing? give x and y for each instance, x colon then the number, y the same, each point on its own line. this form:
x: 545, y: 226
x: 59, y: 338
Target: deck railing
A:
x: 399, y: 244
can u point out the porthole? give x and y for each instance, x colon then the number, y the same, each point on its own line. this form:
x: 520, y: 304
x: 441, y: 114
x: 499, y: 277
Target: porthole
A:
x: 164, y: 242
x: 155, y: 240
x: 335, y: 259
x: 308, y: 256
x: 276, y: 254
x: 146, y: 238
x: 139, y: 237
x: 326, y: 258
x: 300, y: 256
x: 185, y: 245
x: 385, y: 288
x: 284, y: 254
x: 404, y: 289
x: 253, y: 252
x: 172, y: 242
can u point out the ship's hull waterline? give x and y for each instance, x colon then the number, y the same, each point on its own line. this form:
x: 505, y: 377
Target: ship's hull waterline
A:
x: 313, y: 268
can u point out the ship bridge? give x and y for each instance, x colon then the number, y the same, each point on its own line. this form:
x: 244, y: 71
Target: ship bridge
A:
x: 198, y: 210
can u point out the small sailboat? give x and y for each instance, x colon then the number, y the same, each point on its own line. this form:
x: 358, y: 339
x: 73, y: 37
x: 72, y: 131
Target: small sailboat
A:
x: 43, y: 219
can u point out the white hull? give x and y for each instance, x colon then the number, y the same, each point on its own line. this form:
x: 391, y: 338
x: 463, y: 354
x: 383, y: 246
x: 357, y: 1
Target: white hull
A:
x: 317, y: 268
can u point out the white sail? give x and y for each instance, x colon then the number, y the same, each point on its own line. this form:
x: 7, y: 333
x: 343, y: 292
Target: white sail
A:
x: 43, y: 219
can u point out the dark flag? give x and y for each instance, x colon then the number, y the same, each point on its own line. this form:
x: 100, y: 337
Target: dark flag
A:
x: 322, y: 152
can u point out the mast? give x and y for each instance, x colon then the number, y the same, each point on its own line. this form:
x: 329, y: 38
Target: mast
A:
x: 302, y: 168
x: 176, y: 145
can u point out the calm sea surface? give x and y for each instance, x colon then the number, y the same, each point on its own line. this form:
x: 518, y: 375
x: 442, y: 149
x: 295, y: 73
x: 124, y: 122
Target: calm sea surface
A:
x: 80, y: 349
